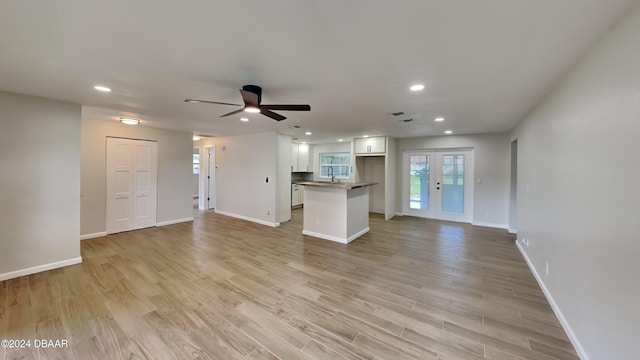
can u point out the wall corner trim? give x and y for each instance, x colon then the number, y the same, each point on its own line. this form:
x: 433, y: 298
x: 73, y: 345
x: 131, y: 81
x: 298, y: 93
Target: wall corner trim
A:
x: 242, y: 217
x: 563, y: 321
x: 335, y: 238
x: 174, y: 221
x: 40, y: 268
x: 93, y: 236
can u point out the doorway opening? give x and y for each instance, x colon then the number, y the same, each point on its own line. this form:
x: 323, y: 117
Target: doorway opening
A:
x: 196, y: 177
x: 513, y: 201
x: 207, y: 178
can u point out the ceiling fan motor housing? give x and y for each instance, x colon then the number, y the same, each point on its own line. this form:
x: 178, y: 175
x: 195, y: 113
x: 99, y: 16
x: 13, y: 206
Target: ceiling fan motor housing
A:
x: 254, y: 89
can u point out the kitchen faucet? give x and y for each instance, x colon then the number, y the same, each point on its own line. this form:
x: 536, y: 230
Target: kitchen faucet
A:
x: 333, y: 178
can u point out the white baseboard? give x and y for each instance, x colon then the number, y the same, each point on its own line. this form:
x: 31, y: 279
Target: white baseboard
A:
x: 40, y: 268
x: 358, y: 234
x: 93, y: 236
x: 512, y: 231
x: 491, y: 225
x: 335, y: 238
x: 399, y: 214
x: 175, y: 221
x: 563, y: 321
x: 242, y: 217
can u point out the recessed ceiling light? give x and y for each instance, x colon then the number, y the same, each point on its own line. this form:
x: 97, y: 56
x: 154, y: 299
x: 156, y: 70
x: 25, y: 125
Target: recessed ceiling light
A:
x: 252, y: 109
x: 102, y: 88
x: 365, y: 136
x: 416, y: 87
x: 340, y: 140
x: 129, y: 121
x: 196, y: 137
x: 244, y: 119
x: 448, y: 132
x: 438, y: 119
x: 308, y: 133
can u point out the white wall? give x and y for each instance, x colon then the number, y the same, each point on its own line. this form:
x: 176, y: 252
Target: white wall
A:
x: 374, y: 171
x: 175, y: 172
x: 39, y: 184
x: 492, y: 164
x: 390, y: 178
x: 283, y: 179
x: 579, y: 198
x: 243, y: 164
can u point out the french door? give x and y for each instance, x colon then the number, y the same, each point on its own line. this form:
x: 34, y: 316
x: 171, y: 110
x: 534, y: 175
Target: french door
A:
x: 438, y: 184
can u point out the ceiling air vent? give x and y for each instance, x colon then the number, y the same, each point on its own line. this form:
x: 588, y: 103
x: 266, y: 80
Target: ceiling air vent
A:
x: 406, y: 120
x: 397, y: 113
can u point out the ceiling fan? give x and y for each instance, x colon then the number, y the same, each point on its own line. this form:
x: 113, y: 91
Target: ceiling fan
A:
x: 252, y: 96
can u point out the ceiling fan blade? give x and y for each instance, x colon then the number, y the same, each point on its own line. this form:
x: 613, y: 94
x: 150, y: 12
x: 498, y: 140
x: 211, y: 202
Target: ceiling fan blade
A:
x: 250, y: 98
x: 287, y: 107
x: 209, y: 102
x: 271, y: 114
x: 233, y: 112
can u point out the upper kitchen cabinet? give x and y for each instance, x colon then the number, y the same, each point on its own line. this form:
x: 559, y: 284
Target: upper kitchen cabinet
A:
x: 301, y: 158
x: 371, y: 146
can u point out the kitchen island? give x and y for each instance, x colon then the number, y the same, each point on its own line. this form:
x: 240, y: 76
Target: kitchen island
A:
x: 336, y: 211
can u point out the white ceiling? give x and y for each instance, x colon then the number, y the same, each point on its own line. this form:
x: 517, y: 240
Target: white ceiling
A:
x: 484, y: 63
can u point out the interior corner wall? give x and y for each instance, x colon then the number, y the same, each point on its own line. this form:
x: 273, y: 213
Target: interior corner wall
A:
x: 283, y: 179
x: 390, y: 179
x: 175, y: 172
x: 492, y: 164
x: 244, y: 163
x: 579, y: 194
x: 39, y: 184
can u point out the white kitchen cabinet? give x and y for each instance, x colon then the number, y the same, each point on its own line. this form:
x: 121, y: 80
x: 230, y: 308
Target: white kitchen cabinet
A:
x: 296, y: 195
x: 301, y: 157
x: 294, y: 157
x: 370, y: 146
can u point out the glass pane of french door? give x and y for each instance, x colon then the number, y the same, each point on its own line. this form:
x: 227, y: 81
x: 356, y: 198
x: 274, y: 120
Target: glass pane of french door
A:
x: 419, y: 182
x: 453, y: 183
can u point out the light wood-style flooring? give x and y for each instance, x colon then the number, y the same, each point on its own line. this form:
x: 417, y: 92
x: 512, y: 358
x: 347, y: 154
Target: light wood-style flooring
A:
x: 222, y: 288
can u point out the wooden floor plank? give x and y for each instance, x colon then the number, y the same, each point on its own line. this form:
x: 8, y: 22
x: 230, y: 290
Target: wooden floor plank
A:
x: 223, y: 288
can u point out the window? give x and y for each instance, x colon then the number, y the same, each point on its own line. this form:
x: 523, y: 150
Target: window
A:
x: 336, y: 164
x: 196, y: 164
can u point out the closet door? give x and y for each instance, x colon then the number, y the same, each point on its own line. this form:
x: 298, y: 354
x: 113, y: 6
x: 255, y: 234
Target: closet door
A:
x: 131, y: 184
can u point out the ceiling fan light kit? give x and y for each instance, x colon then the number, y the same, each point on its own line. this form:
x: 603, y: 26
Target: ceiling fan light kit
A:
x: 252, y: 96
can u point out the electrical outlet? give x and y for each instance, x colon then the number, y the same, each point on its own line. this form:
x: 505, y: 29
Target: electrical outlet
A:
x: 268, y: 212
x: 546, y: 267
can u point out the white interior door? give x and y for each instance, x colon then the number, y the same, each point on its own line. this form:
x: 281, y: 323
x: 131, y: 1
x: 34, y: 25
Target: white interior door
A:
x: 119, y: 186
x: 145, y: 184
x: 438, y: 184
x: 131, y: 184
x: 211, y: 183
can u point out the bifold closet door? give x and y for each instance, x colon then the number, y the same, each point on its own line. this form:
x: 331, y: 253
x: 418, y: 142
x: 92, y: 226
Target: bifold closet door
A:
x: 131, y: 184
